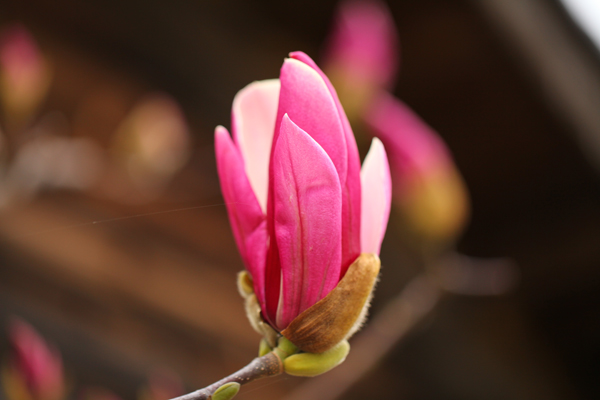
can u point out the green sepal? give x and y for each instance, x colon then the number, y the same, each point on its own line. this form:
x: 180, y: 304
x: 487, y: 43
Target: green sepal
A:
x: 313, y: 364
x: 264, y: 348
x: 227, y: 391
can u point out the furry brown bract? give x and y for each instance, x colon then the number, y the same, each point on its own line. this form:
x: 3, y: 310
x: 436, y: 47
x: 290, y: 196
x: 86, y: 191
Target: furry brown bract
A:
x: 330, y: 320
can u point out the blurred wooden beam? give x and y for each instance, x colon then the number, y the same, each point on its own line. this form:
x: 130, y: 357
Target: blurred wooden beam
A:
x: 153, y: 295
x: 563, y: 66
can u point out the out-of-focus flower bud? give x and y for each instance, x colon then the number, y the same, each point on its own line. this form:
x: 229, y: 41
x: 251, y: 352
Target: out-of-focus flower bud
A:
x: 292, y: 182
x: 35, y: 371
x: 153, y: 143
x: 24, y: 74
x: 361, y: 54
x: 428, y: 190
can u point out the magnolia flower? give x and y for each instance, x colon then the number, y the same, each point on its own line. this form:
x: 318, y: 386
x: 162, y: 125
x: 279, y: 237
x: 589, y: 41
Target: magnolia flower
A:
x: 301, y: 210
x: 361, y: 53
x: 36, y: 371
x: 428, y: 189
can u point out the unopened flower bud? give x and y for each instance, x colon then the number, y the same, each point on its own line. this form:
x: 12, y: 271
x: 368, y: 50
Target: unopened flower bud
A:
x: 227, y: 391
x: 36, y: 368
x: 311, y: 364
x: 24, y: 73
x: 361, y: 55
x: 302, y: 209
x: 427, y: 187
x: 264, y: 348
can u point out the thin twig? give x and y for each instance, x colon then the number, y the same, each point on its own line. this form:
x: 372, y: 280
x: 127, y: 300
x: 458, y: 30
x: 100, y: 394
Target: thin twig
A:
x: 261, y: 367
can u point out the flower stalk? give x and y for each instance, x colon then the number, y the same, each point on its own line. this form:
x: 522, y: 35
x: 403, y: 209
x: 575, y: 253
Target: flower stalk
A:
x: 270, y: 364
x: 259, y: 368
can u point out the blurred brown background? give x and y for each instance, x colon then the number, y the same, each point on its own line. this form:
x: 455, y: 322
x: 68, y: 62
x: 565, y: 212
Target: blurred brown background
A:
x: 124, y: 297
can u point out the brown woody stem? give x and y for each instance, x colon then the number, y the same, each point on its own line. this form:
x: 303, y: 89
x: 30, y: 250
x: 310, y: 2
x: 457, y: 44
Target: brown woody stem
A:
x: 261, y: 367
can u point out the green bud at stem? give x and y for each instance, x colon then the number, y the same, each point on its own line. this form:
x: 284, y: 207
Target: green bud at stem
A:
x: 285, y: 348
x: 263, y: 348
x: 227, y: 391
x: 313, y: 364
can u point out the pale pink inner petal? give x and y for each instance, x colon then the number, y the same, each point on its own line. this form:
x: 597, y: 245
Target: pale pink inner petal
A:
x: 307, y: 221
x: 253, y: 124
x: 376, y: 198
x: 248, y: 221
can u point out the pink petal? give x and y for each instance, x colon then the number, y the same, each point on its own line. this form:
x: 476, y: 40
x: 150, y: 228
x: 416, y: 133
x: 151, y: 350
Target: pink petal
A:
x: 376, y: 198
x: 39, y: 363
x: 364, y: 42
x: 307, y: 218
x: 351, y: 186
x: 20, y: 57
x: 305, y: 97
x: 245, y: 215
x: 253, y: 124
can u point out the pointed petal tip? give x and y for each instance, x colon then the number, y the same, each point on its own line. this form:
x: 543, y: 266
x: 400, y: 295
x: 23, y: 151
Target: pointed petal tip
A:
x: 307, y: 99
x: 299, y: 55
x: 220, y: 130
x: 376, y: 197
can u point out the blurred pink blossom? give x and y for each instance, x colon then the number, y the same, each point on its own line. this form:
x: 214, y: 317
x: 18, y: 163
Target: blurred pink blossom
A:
x: 24, y: 73
x: 364, y: 42
x: 427, y: 186
x: 361, y: 54
x: 36, y: 370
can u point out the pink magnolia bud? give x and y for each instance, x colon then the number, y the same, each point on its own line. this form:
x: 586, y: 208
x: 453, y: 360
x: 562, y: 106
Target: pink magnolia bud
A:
x: 427, y: 186
x: 292, y: 181
x: 361, y: 54
x: 24, y: 73
x: 35, y: 365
